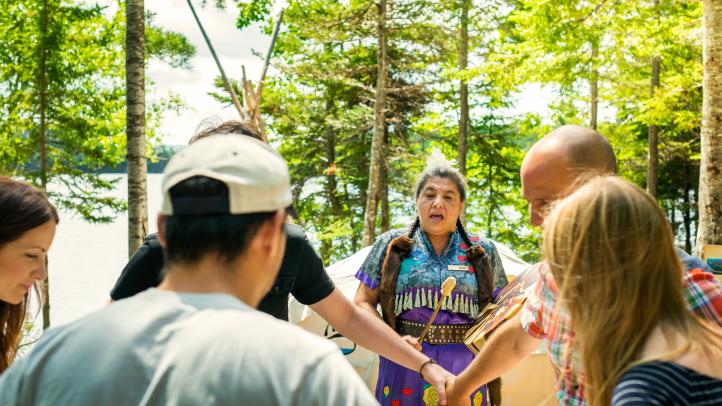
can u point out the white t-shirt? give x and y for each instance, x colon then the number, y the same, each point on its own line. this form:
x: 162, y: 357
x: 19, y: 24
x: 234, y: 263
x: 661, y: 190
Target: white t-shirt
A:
x: 168, y: 348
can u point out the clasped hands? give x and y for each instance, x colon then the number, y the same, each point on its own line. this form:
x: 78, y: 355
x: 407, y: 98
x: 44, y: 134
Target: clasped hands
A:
x: 440, y: 378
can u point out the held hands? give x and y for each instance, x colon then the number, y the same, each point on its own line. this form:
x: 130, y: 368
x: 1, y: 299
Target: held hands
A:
x: 433, y: 373
x: 437, y: 376
x: 454, y: 396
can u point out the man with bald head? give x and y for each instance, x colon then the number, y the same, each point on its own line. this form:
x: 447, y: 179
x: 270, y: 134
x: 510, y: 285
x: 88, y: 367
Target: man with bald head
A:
x: 552, y: 165
x: 550, y: 171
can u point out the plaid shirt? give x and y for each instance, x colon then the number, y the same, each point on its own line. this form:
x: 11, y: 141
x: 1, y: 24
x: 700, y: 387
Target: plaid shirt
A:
x: 541, y: 319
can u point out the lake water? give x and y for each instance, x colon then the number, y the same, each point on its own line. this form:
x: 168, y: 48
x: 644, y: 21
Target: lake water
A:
x: 86, y: 259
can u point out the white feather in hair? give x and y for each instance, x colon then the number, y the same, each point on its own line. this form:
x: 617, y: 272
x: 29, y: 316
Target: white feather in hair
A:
x: 437, y: 160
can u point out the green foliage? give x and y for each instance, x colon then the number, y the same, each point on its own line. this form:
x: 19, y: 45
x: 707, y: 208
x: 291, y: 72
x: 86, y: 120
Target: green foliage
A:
x: 85, y: 111
x: 252, y: 12
x: 167, y: 46
x: 320, y: 98
x: 85, y: 90
x: 550, y: 43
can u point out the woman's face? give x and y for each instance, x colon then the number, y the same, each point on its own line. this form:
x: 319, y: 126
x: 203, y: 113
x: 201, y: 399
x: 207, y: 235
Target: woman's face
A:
x: 439, y: 206
x: 22, y: 262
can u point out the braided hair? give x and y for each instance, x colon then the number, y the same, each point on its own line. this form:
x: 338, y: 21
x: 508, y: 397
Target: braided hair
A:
x: 401, y: 246
x: 397, y: 249
x: 437, y: 166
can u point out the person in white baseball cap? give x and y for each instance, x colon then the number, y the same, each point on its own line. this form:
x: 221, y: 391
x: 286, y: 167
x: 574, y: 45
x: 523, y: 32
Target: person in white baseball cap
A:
x: 256, y: 177
x: 197, y: 339
x: 302, y: 275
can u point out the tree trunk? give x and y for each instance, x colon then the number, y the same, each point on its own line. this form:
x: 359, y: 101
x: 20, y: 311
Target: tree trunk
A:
x: 325, y: 251
x: 42, y: 142
x: 375, y: 169
x: 594, y: 85
x: 653, y: 135
x: 694, y: 214
x: 384, y: 200
x: 135, y: 123
x: 296, y: 191
x: 710, y: 171
x: 490, y: 211
x: 331, y: 184
x: 464, y: 88
x: 686, y: 209
x: 672, y: 214
x: 331, y: 192
x: 384, y: 187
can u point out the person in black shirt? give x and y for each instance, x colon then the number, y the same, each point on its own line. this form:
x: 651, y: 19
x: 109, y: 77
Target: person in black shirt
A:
x: 303, y: 275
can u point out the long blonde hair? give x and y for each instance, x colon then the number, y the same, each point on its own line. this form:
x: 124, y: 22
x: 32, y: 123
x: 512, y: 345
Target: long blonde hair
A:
x: 611, y: 252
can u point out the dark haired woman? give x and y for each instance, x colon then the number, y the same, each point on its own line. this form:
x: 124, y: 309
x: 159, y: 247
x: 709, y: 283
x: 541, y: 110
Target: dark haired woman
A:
x: 27, y: 228
x: 404, y: 272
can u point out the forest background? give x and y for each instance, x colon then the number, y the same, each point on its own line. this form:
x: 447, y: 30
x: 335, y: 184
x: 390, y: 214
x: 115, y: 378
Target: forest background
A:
x: 357, y: 94
x: 452, y: 72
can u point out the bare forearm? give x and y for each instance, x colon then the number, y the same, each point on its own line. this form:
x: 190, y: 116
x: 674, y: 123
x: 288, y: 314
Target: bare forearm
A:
x: 368, y: 308
x: 505, y: 348
x: 371, y: 332
x: 362, y: 324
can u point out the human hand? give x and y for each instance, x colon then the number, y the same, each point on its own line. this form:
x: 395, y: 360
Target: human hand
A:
x: 438, y: 377
x: 412, y: 341
x: 454, y: 396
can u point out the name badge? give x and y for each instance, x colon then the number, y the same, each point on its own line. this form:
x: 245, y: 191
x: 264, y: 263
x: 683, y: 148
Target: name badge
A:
x: 458, y: 267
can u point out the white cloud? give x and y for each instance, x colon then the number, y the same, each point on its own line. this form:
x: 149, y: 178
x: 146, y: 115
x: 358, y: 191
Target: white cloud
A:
x: 233, y: 47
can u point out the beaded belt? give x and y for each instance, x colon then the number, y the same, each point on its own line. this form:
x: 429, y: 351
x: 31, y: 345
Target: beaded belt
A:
x: 438, y: 334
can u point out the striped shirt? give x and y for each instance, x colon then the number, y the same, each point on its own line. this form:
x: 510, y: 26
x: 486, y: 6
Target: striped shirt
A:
x: 543, y: 318
x: 666, y: 383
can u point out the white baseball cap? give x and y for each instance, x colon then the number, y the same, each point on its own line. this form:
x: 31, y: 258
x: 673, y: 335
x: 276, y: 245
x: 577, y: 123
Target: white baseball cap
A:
x: 255, y: 174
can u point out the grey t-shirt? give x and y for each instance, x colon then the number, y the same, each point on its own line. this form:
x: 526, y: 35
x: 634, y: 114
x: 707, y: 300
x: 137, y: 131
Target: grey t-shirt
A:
x: 168, y: 348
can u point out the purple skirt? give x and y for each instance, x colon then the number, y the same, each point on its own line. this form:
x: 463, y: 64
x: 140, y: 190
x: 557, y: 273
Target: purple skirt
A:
x: 399, y: 386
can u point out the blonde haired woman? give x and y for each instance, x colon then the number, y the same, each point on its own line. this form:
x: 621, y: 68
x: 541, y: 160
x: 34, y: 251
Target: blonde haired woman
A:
x: 612, y: 255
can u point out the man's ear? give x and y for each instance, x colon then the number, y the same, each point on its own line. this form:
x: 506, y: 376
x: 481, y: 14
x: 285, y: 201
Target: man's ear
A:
x: 160, y: 222
x: 269, y: 231
x: 278, y: 219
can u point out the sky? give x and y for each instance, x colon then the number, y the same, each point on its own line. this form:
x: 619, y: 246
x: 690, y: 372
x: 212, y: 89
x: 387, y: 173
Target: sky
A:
x: 234, y: 49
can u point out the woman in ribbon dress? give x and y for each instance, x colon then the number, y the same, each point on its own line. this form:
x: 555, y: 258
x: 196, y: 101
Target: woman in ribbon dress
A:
x: 404, y: 272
